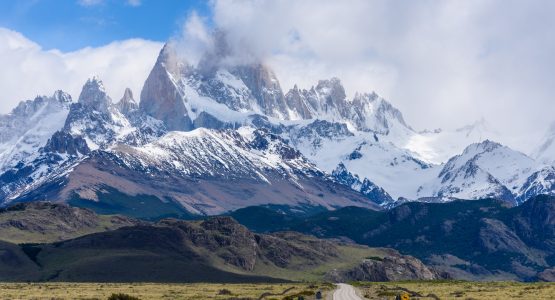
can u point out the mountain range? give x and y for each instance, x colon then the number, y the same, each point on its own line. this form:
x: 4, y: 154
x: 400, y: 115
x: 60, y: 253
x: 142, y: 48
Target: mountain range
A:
x: 214, y: 137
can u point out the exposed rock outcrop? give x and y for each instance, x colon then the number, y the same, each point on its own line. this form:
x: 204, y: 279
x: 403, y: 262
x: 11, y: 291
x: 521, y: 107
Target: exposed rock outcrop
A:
x: 394, y: 267
x: 127, y: 103
x: 39, y: 222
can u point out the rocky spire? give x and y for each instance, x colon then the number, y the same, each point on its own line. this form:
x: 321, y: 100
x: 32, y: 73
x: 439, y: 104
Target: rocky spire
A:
x: 93, y: 95
x: 160, y: 97
x: 62, y: 97
x: 127, y: 103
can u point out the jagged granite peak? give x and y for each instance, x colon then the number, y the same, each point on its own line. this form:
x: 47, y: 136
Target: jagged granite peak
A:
x: 29, y: 126
x: 328, y: 101
x: 103, y: 124
x: 27, y: 109
x: 127, y: 103
x: 183, y: 96
x: 371, y: 112
x: 62, y: 97
x: 263, y: 91
x: 94, y: 95
x: 265, y: 88
x: 297, y: 103
x: 186, y: 96
x: 64, y: 143
x: 160, y: 96
x: 483, y: 146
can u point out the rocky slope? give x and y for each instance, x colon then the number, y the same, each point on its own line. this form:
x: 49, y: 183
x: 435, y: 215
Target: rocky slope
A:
x: 29, y: 126
x: 394, y: 267
x: 43, y: 222
x: 200, y: 172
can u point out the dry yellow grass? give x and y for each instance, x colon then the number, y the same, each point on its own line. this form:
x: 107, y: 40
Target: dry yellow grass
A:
x: 388, y: 290
x: 148, y: 291
x: 459, y: 290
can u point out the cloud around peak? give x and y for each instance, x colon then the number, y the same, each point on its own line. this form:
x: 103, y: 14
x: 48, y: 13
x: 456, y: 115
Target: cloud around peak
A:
x: 443, y: 63
x: 28, y: 70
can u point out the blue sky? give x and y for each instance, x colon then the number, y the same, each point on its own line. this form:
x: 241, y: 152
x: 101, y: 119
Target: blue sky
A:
x: 69, y: 25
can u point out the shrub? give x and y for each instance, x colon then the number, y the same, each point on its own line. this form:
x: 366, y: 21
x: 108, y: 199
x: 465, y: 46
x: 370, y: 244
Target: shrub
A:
x: 122, y: 296
x: 224, y: 292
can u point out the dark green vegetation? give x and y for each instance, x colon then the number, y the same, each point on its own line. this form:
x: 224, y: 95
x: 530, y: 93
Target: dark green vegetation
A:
x: 122, y: 296
x: 473, y: 240
x: 217, y: 249
x: 465, y: 239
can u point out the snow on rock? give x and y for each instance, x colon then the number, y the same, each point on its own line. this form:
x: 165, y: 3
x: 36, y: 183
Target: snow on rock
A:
x: 222, y: 154
x: 127, y: 103
x: 29, y: 126
x: 57, y: 134
x: 485, y: 169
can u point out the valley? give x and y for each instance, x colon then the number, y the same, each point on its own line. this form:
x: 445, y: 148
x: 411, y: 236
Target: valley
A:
x: 217, y: 174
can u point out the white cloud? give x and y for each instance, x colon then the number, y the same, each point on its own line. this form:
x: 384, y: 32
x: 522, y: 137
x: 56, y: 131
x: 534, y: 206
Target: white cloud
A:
x: 28, y: 70
x: 443, y: 63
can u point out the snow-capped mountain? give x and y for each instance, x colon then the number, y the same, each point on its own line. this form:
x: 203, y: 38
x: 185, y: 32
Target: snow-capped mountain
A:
x: 367, y: 155
x: 29, y: 126
x: 102, y: 123
x: 206, y: 171
x: 218, y: 96
x: 218, y: 136
x: 71, y: 132
x: 485, y: 169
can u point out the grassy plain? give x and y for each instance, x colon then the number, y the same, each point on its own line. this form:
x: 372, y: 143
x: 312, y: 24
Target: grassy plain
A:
x: 458, y: 290
x: 382, y: 290
x: 148, y: 291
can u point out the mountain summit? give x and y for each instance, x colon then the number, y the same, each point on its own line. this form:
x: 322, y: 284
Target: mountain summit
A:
x: 222, y: 134
x: 217, y: 96
x: 93, y: 95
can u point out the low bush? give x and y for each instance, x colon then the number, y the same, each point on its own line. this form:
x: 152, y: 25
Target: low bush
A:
x: 122, y: 296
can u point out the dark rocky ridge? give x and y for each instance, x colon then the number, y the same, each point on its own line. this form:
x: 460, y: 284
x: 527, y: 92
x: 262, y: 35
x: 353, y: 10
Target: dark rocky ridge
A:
x: 40, y: 222
x: 217, y: 249
x: 470, y: 240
